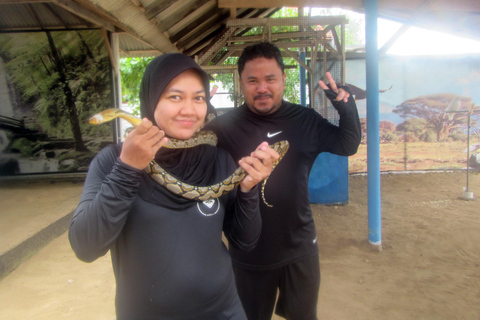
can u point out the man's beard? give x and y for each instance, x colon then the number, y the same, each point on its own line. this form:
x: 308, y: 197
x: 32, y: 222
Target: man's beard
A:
x: 264, y: 109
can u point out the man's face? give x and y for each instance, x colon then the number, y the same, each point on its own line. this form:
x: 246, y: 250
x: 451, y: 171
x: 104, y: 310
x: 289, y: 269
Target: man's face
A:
x: 262, y: 82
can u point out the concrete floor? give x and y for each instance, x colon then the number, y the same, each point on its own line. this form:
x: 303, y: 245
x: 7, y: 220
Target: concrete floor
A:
x: 33, y: 212
x: 40, y: 277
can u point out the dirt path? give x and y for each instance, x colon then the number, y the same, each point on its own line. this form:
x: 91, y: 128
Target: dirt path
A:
x: 429, y: 267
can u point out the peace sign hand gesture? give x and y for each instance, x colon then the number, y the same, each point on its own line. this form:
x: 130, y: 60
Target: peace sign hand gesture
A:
x: 341, y: 93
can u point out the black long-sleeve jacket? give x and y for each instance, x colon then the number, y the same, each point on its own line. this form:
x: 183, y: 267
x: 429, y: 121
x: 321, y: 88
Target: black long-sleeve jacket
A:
x: 169, y: 260
x: 288, y: 229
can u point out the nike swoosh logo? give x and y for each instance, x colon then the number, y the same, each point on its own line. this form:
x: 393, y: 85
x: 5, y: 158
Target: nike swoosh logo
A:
x: 269, y: 135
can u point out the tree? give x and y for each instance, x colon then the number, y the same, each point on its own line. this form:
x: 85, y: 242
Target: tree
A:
x: 292, y: 83
x: 69, y: 103
x: 353, y: 35
x: 431, y: 108
x: 354, y: 30
x: 132, y: 70
x: 64, y: 75
x: 412, y: 128
x: 387, y: 131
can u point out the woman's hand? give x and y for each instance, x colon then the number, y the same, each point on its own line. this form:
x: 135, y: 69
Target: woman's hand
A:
x: 258, y: 166
x: 141, y: 145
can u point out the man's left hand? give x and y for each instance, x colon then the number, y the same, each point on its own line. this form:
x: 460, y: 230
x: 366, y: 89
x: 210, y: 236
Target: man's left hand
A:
x: 341, y: 93
x: 258, y: 166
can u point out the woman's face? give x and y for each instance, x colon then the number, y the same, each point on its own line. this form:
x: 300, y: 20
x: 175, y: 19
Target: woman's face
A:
x: 182, y: 107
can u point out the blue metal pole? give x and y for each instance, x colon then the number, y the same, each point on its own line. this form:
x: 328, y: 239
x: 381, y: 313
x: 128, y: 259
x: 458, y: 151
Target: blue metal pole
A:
x: 373, y: 127
x: 303, y: 81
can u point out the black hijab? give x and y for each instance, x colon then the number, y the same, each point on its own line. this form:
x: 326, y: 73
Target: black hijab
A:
x: 158, y: 74
x: 195, y: 165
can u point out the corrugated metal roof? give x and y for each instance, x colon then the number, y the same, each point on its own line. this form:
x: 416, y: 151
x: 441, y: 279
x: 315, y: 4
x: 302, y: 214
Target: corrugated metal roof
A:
x: 37, y: 16
x: 151, y: 27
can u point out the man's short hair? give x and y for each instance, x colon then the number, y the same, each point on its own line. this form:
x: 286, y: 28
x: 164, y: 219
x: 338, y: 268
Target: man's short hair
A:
x: 260, y: 50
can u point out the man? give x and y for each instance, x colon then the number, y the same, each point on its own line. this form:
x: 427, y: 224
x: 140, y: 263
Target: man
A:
x: 286, y: 257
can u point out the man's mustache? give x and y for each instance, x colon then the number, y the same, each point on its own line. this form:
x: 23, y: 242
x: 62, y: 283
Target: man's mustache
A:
x: 262, y: 96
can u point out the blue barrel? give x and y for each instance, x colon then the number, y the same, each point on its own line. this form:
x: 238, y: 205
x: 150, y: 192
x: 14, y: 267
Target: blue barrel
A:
x: 328, y: 182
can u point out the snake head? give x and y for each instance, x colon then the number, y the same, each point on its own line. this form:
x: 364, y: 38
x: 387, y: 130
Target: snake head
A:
x: 96, y: 119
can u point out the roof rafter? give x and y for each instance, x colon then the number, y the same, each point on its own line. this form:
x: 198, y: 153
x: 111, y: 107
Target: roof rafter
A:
x: 132, y: 19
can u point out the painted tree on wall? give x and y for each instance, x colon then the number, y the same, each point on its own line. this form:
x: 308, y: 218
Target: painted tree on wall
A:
x: 58, y: 64
x: 387, y: 131
x: 432, y: 108
x: 412, y: 129
x: 64, y: 75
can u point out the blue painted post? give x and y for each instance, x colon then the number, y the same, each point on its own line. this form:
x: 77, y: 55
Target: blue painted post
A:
x: 373, y: 127
x: 303, y: 81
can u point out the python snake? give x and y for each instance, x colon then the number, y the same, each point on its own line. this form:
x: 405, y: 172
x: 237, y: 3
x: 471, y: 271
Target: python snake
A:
x: 201, y: 137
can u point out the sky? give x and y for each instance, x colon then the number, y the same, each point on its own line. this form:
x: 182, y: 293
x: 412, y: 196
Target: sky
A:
x: 418, y: 41
x: 415, y: 41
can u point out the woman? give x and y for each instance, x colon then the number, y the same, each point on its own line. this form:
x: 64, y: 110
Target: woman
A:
x: 167, y: 253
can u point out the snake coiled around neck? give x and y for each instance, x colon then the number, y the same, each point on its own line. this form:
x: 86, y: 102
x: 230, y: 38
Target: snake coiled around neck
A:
x: 176, y: 186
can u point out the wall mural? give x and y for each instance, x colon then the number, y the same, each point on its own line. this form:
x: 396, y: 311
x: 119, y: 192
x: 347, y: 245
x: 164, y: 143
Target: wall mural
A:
x: 418, y: 130
x: 50, y: 84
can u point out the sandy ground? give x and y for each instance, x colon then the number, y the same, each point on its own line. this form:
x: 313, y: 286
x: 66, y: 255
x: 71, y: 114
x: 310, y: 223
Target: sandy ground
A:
x: 429, y: 267
x: 29, y: 206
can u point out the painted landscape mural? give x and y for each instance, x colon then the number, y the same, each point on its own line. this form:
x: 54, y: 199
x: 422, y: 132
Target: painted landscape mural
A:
x: 425, y: 103
x: 50, y: 84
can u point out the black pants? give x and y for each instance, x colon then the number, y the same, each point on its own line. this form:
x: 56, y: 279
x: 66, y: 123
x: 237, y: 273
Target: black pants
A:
x: 297, y: 284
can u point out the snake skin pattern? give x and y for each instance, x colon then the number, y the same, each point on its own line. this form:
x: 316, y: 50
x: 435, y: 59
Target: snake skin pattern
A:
x: 202, y: 137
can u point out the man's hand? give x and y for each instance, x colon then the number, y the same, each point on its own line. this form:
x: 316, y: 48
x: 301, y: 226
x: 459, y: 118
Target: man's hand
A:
x: 341, y: 93
x: 213, y: 91
x: 258, y: 166
x: 141, y: 145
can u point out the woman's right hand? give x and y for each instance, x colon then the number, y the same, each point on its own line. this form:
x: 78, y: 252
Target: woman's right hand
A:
x: 141, y: 145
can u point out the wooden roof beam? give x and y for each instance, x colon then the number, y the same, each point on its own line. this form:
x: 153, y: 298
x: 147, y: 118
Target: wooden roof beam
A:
x: 346, y: 4
x: 174, y: 13
x: 210, y: 5
x: 157, y: 7
x: 283, y: 22
x: 85, y: 14
x: 207, y: 27
x: 134, y: 22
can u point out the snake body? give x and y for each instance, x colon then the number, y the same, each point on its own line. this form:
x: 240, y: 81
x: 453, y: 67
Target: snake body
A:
x: 176, y: 186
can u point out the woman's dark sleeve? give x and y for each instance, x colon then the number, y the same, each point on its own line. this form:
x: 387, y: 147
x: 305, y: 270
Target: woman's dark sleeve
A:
x: 243, y: 223
x: 108, y: 194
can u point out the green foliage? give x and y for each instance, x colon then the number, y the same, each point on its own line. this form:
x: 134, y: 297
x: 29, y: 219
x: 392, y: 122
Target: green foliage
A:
x: 354, y: 29
x: 413, y: 128
x: 429, y: 136
x: 387, y: 131
x: 457, y: 136
x: 286, y: 12
x: 22, y: 146
x: 292, y: 82
x: 387, y: 126
x: 42, y: 81
x: 388, y: 137
x: 226, y: 79
x: 132, y: 70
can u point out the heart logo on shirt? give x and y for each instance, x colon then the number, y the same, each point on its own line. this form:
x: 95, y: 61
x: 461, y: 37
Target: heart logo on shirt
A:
x: 209, y: 203
x: 208, y: 207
